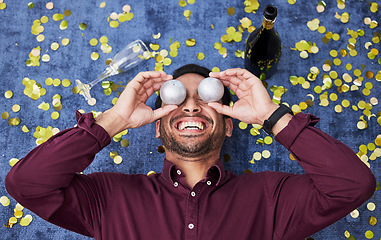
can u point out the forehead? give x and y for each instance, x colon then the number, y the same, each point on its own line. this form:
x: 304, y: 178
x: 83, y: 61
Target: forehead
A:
x: 191, y: 80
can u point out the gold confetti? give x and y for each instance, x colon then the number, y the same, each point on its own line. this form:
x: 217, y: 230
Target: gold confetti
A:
x: 251, y: 6
x: 114, y: 24
x: 336, y: 37
x: 12, y: 162
x: 25, y: 221
x: 321, y: 7
x: 25, y: 129
x: 182, y: 3
x: 126, y: 8
x: 18, y: 214
x: 156, y: 36
x: 341, y: 4
x: 5, y: 115
x: 56, y: 82
x: 66, y: 83
x: 118, y: 159
x: 8, y: 94
x: 65, y: 41
x: 338, y: 108
x: 49, y: 6
x: 187, y: 14
x: 304, y: 54
x: 94, y: 56
x: 257, y: 156
x: 82, y: 26
x: 374, y: 101
x: 58, y: 17
x: 124, y: 143
x: 313, y: 25
x: 168, y: 61
x: 266, y: 154
x: 40, y: 38
x: 94, y: 42
x: 371, y: 206
x: 55, y: 115
x: 369, y: 234
x: 242, y: 125
x: 54, y: 46
x: 3, y: 6
x: 161, y: 149
x: 190, y: 42
x: 231, y: 11
x: 355, y: 213
x: 16, y: 108
x: 64, y: 24
x: 268, y: 140
x: 14, y: 121
x: 4, y: 200
x: 374, y: 7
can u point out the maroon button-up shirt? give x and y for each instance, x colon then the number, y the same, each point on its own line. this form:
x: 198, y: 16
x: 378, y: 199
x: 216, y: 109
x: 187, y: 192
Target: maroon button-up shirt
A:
x: 264, y: 205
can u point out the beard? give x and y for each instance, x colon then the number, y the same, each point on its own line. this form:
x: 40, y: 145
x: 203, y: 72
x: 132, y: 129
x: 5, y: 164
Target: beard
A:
x: 191, y: 147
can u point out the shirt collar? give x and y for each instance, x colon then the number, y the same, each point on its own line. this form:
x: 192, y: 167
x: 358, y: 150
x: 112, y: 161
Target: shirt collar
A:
x: 215, y: 173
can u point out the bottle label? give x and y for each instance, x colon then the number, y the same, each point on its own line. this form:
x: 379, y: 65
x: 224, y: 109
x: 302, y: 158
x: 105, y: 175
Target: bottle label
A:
x: 267, y: 24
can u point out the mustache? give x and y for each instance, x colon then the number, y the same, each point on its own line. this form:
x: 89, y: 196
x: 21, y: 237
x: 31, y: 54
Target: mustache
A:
x: 209, y: 120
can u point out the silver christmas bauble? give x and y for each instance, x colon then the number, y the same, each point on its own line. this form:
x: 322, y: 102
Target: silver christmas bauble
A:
x: 211, y: 89
x: 173, y: 92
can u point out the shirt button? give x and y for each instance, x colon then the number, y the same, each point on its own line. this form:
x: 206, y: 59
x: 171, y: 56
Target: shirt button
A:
x: 193, y: 194
x: 190, y: 226
x: 178, y: 172
x: 209, y: 183
x: 176, y: 184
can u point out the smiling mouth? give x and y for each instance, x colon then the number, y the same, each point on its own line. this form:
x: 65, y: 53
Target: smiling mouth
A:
x: 191, y: 125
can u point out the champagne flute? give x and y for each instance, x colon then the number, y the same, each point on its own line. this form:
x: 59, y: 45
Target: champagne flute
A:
x: 134, y: 53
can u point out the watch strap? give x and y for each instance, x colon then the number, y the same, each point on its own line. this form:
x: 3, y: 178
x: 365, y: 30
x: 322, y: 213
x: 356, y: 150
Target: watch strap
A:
x: 274, y: 118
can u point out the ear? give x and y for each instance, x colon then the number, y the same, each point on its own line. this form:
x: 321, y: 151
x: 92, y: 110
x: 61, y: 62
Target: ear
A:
x: 157, y: 128
x: 229, y: 126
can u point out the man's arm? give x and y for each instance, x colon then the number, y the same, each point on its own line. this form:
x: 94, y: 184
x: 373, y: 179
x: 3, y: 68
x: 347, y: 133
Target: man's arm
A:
x: 336, y: 181
x: 46, y: 180
x: 43, y: 180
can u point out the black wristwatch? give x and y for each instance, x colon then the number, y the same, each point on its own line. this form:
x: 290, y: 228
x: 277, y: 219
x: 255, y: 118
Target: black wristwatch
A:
x: 274, y: 118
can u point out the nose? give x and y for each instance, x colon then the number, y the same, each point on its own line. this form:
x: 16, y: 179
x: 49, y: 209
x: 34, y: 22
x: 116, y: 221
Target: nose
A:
x: 191, y: 105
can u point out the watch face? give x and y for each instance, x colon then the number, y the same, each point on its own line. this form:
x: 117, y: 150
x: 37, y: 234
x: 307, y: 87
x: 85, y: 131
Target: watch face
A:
x: 267, y: 127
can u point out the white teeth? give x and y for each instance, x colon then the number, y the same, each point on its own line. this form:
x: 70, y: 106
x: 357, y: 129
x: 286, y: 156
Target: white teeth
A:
x: 191, y: 125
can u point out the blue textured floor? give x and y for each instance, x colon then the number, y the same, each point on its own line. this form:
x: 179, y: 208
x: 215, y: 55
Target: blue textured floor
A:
x: 166, y: 17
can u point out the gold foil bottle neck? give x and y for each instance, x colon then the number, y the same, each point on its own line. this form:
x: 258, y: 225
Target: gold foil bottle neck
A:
x: 268, y: 24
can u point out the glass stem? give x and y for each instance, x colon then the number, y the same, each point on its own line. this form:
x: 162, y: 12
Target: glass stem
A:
x: 106, y: 73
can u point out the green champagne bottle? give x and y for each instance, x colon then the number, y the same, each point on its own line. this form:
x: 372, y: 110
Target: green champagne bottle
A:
x: 263, y: 46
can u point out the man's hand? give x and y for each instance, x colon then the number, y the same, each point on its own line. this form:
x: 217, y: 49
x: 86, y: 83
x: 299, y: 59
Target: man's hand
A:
x: 254, y: 104
x: 131, y: 110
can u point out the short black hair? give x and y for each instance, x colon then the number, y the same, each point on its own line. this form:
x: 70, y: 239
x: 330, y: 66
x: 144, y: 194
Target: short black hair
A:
x: 194, y: 68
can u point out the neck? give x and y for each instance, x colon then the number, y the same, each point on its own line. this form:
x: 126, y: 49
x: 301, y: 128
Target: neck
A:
x: 195, y: 169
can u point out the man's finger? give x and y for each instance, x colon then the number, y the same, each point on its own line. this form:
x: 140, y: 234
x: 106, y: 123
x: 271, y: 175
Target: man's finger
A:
x: 150, y: 85
x: 222, y: 109
x: 149, y: 74
x: 163, y: 111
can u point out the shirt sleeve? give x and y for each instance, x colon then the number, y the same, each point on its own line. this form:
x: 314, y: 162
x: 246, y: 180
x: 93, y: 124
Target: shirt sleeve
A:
x: 47, y: 180
x: 335, y: 182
